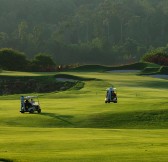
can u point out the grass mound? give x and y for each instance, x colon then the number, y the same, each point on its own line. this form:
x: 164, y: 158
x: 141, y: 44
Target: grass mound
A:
x: 164, y: 70
x: 134, y: 66
x: 88, y: 68
x: 100, y: 68
x: 155, y: 70
x: 151, y: 70
x: 73, y: 77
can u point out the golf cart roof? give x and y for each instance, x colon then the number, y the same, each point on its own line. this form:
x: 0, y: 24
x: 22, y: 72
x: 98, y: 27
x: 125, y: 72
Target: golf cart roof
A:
x: 111, y: 89
x: 29, y: 97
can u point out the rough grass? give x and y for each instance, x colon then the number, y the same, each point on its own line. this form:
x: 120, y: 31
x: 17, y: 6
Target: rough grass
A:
x: 164, y: 70
x: 150, y: 70
x: 77, y: 126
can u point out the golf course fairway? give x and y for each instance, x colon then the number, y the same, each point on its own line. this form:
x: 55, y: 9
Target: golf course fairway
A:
x: 78, y: 126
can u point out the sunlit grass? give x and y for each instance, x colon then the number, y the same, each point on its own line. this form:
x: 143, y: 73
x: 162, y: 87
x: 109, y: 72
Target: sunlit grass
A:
x: 18, y: 73
x: 32, y: 144
x: 77, y: 126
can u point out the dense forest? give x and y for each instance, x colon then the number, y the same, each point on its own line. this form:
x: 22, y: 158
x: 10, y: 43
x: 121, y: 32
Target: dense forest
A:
x: 84, y: 31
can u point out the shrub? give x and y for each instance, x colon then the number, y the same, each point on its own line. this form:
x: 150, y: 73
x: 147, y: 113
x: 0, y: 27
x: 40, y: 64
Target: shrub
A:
x: 43, y: 62
x: 156, y: 56
x: 12, y: 60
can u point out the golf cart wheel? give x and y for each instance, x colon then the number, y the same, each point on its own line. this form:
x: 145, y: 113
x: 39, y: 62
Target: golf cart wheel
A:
x: 31, y: 111
x: 39, y: 111
x: 22, y: 112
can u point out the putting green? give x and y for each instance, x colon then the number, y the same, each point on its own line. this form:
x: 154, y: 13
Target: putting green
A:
x: 77, y: 126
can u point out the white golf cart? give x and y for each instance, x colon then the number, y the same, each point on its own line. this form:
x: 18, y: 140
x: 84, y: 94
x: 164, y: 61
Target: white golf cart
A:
x: 29, y: 104
x: 111, y: 95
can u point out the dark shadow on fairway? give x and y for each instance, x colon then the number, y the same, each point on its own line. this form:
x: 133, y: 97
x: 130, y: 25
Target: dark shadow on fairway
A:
x: 63, y: 118
x: 5, y: 160
x: 155, y: 84
x: 151, y: 119
x: 149, y: 84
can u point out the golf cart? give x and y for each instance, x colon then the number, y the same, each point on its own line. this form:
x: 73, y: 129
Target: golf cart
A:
x: 111, y: 95
x: 29, y: 105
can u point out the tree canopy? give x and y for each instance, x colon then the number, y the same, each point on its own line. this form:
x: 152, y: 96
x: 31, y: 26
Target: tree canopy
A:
x: 12, y: 60
x: 15, y: 60
x: 84, y: 31
x: 43, y: 62
x: 157, y: 56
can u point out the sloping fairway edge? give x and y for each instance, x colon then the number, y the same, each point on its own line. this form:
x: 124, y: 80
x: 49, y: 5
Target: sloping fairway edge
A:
x: 101, y: 68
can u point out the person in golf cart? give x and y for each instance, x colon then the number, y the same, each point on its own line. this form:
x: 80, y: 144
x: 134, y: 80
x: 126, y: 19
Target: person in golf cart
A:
x: 29, y: 106
x: 32, y: 102
x: 111, y: 95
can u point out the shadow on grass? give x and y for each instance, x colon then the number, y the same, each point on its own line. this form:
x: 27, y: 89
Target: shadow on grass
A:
x: 149, y: 84
x: 149, y: 119
x: 153, y: 119
x: 155, y: 84
x: 63, y: 118
x: 5, y: 160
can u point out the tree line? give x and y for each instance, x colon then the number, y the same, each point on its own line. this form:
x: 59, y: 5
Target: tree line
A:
x: 14, y: 60
x: 84, y: 31
x: 17, y: 61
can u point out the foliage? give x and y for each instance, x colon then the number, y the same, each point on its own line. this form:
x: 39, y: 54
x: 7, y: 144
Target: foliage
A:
x: 12, y: 60
x: 43, y: 62
x: 85, y: 32
x: 157, y: 56
x: 16, y: 61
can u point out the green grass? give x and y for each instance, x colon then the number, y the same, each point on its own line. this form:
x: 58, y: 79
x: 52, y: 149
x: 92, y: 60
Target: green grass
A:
x: 101, y: 68
x: 67, y: 76
x: 155, y: 70
x: 77, y: 126
x: 86, y: 145
x: 164, y: 70
x: 151, y: 70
